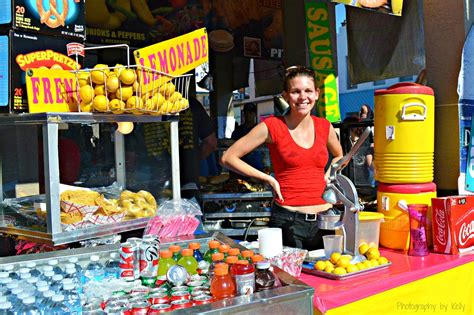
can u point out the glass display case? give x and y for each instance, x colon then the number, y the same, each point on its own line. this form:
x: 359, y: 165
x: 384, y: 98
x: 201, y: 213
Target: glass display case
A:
x: 39, y: 153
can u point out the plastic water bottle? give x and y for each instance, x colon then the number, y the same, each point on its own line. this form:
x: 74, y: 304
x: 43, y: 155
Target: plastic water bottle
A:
x: 47, y: 276
x: 11, y: 270
x: 75, y: 261
x: 57, y: 283
x: 33, y: 270
x: 23, y: 295
x: 112, y: 268
x: 58, y: 307
x: 42, y: 283
x: 55, y: 264
x: 94, y: 270
x: 4, y: 280
x: 72, y: 299
x: 46, y: 301
x: 40, y: 291
x: 29, y: 307
x: 13, y: 297
x: 6, y: 308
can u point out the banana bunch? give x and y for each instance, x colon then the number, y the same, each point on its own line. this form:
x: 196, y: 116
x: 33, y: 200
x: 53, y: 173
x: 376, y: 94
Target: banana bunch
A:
x: 110, y: 14
x: 117, y: 90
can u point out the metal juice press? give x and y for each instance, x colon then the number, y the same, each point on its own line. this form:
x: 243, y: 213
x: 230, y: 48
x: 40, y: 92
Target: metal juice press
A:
x: 340, y: 189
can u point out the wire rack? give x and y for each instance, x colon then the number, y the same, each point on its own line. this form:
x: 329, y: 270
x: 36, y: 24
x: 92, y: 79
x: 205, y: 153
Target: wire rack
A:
x: 130, y: 89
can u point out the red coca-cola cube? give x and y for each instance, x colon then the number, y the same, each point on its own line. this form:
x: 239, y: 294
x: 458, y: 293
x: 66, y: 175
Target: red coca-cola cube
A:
x: 453, y: 224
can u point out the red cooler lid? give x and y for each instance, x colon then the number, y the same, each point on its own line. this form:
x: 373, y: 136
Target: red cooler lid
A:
x: 407, y: 188
x: 406, y: 88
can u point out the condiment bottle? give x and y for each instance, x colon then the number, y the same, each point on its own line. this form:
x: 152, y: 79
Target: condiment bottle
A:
x: 257, y: 259
x: 195, y: 246
x: 243, y: 274
x: 216, y: 258
x: 224, y: 249
x: 175, y: 249
x: 164, y: 264
x: 264, y: 278
x: 235, y: 252
x: 222, y: 285
x: 213, y: 248
x: 230, y: 260
x: 188, y: 261
x: 247, y: 254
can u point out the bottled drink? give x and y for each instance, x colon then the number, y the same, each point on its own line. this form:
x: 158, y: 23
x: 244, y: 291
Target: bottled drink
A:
x: 224, y: 248
x: 243, y: 274
x: 57, y: 283
x: 75, y: 261
x: 94, y: 270
x: 175, y: 249
x: 235, y: 252
x: 230, y: 260
x: 10, y: 269
x: 45, y: 301
x: 58, y: 307
x: 264, y: 278
x: 213, y: 248
x: 72, y: 299
x: 188, y: 261
x: 195, y: 246
x: 247, y: 254
x: 13, y: 297
x: 56, y: 268
x: 166, y: 261
x: 4, y: 280
x: 256, y: 259
x: 6, y: 308
x: 29, y: 307
x: 33, y: 270
x: 112, y: 268
x: 222, y: 285
x: 216, y: 258
x: 47, y: 276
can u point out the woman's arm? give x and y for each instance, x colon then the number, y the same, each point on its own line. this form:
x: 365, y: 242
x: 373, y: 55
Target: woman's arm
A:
x: 334, y: 147
x: 232, y: 158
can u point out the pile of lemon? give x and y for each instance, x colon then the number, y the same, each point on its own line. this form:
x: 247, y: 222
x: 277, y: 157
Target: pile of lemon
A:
x: 340, y: 264
x: 117, y: 90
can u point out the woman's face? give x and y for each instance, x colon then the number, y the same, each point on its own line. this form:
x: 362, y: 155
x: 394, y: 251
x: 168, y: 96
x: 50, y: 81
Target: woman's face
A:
x: 302, y: 94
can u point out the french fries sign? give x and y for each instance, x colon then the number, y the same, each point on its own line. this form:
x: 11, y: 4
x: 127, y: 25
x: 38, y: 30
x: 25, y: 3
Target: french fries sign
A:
x: 50, y: 90
x: 175, y: 56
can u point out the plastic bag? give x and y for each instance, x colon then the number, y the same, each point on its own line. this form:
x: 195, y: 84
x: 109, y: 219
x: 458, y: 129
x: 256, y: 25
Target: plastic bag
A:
x: 174, y: 218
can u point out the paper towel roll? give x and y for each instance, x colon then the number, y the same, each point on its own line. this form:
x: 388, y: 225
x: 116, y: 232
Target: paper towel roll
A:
x: 270, y: 242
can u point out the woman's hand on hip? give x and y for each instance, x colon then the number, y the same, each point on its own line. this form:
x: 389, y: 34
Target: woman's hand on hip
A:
x: 276, y: 187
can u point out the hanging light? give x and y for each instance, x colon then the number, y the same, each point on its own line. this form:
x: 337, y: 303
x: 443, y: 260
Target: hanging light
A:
x: 125, y: 127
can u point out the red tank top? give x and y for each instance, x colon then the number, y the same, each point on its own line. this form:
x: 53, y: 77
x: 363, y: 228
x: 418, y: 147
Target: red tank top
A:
x: 299, y: 171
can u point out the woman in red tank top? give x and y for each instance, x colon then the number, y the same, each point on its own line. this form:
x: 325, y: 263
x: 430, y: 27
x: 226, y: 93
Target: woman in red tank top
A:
x: 299, y: 145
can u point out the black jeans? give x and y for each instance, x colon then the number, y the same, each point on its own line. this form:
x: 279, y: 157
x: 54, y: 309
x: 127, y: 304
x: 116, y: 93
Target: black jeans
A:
x: 296, y: 230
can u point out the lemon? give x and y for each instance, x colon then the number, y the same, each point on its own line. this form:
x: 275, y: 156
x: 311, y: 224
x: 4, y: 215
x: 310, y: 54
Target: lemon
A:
x: 176, y: 96
x: 166, y: 107
x: 329, y: 269
x: 374, y: 262
x: 135, y: 86
x: 382, y: 260
x: 363, y: 248
x: 150, y: 105
x: 367, y: 264
x: 83, y: 78
x: 335, y: 257
x: 86, y: 93
x: 127, y: 76
x: 360, y: 266
x: 329, y: 263
x: 339, y: 271
x: 160, y: 99
x: 182, y: 104
x: 343, y: 262
x: 320, y: 265
x: 100, y: 103
x: 99, y: 89
x: 117, y: 106
x: 86, y: 107
x: 372, y: 253
x: 124, y: 93
x: 167, y: 89
x: 134, y: 102
x: 352, y: 268
x: 118, y: 68
x: 112, y: 83
x: 100, y: 73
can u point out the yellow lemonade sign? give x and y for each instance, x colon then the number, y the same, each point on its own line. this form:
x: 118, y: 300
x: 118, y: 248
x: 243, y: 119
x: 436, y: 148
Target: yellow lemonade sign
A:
x: 50, y: 90
x: 175, y: 56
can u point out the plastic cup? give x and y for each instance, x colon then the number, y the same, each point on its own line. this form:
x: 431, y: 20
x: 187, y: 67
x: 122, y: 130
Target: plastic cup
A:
x: 332, y: 243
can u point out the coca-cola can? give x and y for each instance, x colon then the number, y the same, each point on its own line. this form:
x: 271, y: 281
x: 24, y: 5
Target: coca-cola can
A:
x: 159, y: 290
x: 180, y: 304
x: 159, y: 308
x: 202, y: 299
x: 158, y: 298
x: 123, y: 303
x: 114, y: 310
x: 180, y: 295
x: 140, y: 308
x: 179, y: 288
x: 128, y: 261
x: 149, y: 257
x: 199, y: 292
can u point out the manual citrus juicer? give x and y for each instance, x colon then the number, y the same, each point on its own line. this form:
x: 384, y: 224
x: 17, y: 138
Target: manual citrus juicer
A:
x: 340, y: 189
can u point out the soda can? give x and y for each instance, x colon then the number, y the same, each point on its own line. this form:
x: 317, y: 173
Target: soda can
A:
x: 140, y: 289
x: 193, y: 284
x: 134, y: 240
x: 202, y: 299
x: 122, y: 302
x: 149, y: 257
x: 140, y: 308
x: 200, y: 292
x: 159, y: 290
x: 179, y: 288
x: 180, y: 295
x: 180, y: 304
x: 158, y: 298
x: 115, y: 310
x: 159, y: 308
x: 128, y: 261
x: 152, y: 238
x: 177, y: 275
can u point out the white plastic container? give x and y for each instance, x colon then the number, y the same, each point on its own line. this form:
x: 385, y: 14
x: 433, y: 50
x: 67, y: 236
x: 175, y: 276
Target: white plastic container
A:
x: 369, y: 228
